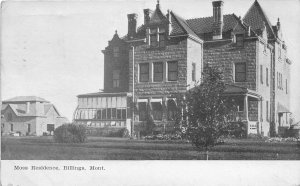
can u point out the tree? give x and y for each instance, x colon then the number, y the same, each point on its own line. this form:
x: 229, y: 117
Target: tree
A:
x: 208, y: 110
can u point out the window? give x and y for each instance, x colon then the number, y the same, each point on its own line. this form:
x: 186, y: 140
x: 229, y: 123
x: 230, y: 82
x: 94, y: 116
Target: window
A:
x: 28, y: 128
x: 11, y: 127
x: 279, y: 51
x: 157, y: 111
x: 123, y: 113
x: 108, y: 114
x: 162, y: 42
x: 116, y: 78
x: 158, y: 72
x: 265, y: 48
x: 104, y: 114
x: 142, y: 111
x: 172, y: 71
x: 286, y: 86
x: 171, y: 107
x: 116, y: 51
x: 267, y: 76
x: 261, y: 74
x: 9, y: 117
x: 267, y: 110
x: 239, y: 40
x: 239, y: 102
x: 157, y: 37
x: 113, y: 113
x: 261, y: 111
x: 99, y: 114
x: 144, y: 72
x: 240, y: 72
x: 193, y: 72
x: 277, y: 80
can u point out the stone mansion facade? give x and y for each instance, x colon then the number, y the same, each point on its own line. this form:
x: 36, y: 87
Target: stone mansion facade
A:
x: 166, y: 55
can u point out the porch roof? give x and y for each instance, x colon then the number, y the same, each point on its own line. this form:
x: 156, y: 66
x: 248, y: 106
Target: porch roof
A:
x: 104, y: 94
x: 282, y: 109
x: 237, y: 90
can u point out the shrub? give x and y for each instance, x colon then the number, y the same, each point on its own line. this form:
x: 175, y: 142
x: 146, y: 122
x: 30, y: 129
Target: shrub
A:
x: 237, y: 129
x: 124, y: 133
x: 70, y: 133
x: 2, y: 147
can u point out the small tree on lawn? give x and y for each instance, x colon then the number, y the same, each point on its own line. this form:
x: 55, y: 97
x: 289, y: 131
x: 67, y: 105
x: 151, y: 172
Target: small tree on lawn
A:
x: 207, y: 110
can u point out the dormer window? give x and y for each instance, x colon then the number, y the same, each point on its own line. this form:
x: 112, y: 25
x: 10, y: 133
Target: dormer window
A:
x: 116, y: 51
x: 157, y: 37
x: 239, y: 39
x: 116, y: 78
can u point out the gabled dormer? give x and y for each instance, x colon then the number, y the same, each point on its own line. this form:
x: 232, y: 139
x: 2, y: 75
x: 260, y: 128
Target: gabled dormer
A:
x: 157, y: 27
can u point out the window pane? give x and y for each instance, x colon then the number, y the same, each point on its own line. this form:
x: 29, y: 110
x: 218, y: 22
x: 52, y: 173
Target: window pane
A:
x: 239, y: 40
x: 119, y: 114
x: 240, y: 72
x: 144, y: 72
x: 172, y: 71
x: 162, y: 40
x: 193, y: 72
x: 158, y: 72
x: 123, y: 113
x: 113, y: 113
x: 153, y: 40
x: 157, y: 110
x: 142, y: 111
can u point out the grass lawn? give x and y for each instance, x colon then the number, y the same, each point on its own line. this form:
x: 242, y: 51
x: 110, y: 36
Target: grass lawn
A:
x: 100, y: 148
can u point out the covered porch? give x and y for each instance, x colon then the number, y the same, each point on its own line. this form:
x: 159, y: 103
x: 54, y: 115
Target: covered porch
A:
x: 247, y: 106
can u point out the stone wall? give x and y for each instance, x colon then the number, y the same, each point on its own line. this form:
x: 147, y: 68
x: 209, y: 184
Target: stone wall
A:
x: 225, y: 54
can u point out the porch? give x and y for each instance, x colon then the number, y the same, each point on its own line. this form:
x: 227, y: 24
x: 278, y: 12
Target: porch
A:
x: 247, y: 106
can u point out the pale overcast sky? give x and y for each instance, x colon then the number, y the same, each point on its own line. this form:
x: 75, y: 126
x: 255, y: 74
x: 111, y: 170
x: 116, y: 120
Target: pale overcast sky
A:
x: 53, y: 49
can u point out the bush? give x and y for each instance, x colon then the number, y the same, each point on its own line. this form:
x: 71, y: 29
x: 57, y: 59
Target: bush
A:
x: 2, y: 147
x: 70, y: 133
x: 237, y: 129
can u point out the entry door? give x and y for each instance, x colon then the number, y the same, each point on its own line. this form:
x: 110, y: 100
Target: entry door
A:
x: 28, y: 128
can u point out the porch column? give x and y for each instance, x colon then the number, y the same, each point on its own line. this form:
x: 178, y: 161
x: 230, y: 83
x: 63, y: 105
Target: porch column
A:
x: 246, y: 108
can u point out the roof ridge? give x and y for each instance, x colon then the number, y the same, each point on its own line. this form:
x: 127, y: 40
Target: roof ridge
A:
x: 209, y: 17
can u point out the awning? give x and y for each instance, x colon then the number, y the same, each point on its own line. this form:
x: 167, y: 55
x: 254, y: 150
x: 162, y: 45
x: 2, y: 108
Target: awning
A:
x: 282, y: 109
x: 142, y: 100
x: 156, y: 100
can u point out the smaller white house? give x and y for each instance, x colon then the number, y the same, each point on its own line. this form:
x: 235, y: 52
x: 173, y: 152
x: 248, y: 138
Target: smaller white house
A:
x: 29, y: 115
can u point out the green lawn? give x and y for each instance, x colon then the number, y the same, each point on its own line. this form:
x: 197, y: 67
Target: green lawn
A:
x: 100, y: 148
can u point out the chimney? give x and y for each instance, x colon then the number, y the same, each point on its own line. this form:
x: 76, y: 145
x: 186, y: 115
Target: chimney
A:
x: 170, y: 22
x: 132, y: 18
x: 27, y: 107
x: 147, y: 15
x: 218, y: 19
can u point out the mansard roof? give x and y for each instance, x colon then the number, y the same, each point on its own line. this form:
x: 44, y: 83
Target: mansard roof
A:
x: 257, y: 19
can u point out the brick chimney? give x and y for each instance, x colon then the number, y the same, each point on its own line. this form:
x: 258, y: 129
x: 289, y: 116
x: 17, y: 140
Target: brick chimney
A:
x: 147, y: 15
x: 132, y: 19
x: 218, y: 19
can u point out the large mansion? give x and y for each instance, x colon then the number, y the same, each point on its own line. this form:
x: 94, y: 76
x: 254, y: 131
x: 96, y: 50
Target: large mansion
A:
x: 166, y: 55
